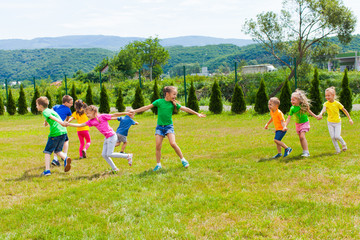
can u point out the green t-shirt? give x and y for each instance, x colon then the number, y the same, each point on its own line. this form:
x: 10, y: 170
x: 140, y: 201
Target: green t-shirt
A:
x: 55, y: 128
x: 165, y: 110
x: 299, y: 116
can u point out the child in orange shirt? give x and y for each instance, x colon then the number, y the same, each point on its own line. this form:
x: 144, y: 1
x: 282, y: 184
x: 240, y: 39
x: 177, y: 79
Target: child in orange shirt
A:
x: 280, y: 128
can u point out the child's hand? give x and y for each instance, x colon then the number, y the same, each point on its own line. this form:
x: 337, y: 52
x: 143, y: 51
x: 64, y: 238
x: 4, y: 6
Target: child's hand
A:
x: 266, y: 126
x: 200, y: 115
x: 351, y: 122
x: 131, y: 113
x: 285, y: 129
x: 319, y: 117
x: 65, y: 124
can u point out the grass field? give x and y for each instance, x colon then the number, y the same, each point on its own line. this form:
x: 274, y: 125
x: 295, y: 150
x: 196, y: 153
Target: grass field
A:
x: 232, y: 189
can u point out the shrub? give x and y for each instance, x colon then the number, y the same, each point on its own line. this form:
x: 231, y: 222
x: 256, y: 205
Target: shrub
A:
x: 261, y: 100
x: 192, y: 102
x: 345, y: 93
x: 22, y: 105
x: 50, y: 98
x: 138, y: 99
x: 2, y: 108
x: 10, y: 105
x: 215, y: 105
x: 120, y: 102
x: 74, y: 96
x: 238, y: 104
x: 33, y: 102
x: 104, y: 101
x: 285, y: 97
x: 155, y: 95
x: 314, y: 94
x: 89, y: 97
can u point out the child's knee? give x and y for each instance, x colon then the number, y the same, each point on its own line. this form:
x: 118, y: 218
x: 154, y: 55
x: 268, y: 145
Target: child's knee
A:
x: 173, y: 144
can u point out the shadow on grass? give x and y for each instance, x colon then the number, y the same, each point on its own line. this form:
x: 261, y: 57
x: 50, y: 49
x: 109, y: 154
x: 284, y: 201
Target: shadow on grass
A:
x: 150, y: 172
x: 295, y: 158
x: 27, y: 175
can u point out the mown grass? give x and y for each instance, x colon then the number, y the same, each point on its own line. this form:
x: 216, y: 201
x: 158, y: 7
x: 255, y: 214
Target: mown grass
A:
x: 232, y: 189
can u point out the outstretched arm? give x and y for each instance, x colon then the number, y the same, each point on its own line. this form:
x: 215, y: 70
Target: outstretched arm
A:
x: 189, y: 110
x: 119, y: 114
x: 57, y: 120
x: 75, y: 124
x: 70, y: 119
x: 287, y: 121
x: 311, y: 113
x: 267, y: 124
x: 321, y: 113
x: 348, y: 115
x: 142, y: 109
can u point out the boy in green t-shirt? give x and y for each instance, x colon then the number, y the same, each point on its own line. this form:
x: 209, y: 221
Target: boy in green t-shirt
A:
x: 57, y: 135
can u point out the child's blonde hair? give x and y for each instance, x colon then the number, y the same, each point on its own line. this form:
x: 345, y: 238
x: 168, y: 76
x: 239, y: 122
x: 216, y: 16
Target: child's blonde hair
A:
x: 332, y: 91
x: 92, y: 108
x: 275, y: 100
x: 169, y: 89
x: 304, y: 101
x: 43, y: 101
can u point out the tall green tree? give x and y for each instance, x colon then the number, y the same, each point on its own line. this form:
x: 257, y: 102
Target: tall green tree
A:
x: 2, y: 108
x: 314, y: 94
x: 301, y: 26
x: 104, y: 101
x: 33, y: 101
x: 192, y: 101
x: 155, y: 96
x: 120, y: 102
x: 10, y: 105
x: 89, y: 97
x: 139, y: 98
x: 74, y: 96
x: 261, y: 101
x: 238, y: 104
x: 48, y: 95
x: 216, y: 105
x: 22, y: 105
x: 285, y: 97
x: 345, y: 93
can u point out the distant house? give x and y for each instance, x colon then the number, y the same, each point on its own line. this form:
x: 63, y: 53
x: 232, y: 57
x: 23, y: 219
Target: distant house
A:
x: 204, y: 72
x: 350, y: 60
x: 261, y: 68
x: 105, y: 69
x: 57, y: 83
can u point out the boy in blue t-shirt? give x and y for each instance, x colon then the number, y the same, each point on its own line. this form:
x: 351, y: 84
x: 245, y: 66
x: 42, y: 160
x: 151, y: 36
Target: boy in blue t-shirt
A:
x: 122, y: 131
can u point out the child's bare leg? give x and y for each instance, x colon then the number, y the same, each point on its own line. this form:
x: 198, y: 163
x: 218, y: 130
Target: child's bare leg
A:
x: 173, y: 144
x: 62, y: 155
x: 117, y: 144
x: 303, y: 141
x: 123, y: 147
x: 159, y: 140
x: 47, y: 161
x: 65, y: 148
x: 278, y: 147
x: 281, y: 144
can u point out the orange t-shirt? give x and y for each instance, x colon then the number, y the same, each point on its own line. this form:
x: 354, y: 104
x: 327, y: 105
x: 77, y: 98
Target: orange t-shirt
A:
x: 277, y: 117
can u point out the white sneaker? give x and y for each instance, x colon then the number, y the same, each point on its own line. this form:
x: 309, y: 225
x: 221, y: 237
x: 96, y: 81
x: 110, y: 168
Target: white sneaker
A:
x: 305, y: 154
x: 129, y: 158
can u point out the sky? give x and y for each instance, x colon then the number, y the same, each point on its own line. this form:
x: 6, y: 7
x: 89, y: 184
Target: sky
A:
x: 28, y: 19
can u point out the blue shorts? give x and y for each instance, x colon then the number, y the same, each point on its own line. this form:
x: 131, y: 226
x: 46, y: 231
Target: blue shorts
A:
x: 163, y: 130
x: 55, y: 144
x: 279, y: 135
x: 66, y: 138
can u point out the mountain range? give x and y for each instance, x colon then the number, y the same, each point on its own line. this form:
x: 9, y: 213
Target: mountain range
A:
x: 113, y: 43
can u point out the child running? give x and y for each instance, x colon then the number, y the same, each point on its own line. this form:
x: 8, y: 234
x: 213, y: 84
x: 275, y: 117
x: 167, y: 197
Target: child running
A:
x: 122, y: 131
x: 280, y: 129
x: 301, y: 106
x: 83, y: 132
x: 100, y: 121
x: 332, y: 108
x: 57, y: 135
x: 165, y: 126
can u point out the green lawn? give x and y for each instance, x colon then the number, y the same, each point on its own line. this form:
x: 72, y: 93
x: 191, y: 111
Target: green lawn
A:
x: 232, y: 189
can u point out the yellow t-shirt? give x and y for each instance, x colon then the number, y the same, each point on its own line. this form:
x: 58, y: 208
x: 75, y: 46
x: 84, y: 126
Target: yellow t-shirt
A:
x: 277, y: 117
x: 81, y: 119
x: 332, y: 110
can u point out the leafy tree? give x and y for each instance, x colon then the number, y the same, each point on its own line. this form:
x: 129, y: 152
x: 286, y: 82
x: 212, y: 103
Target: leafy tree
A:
x: 127, y: 61
x: 89, y: 97
x: 238, y: 104
x: 314, y: 94
x: 261, y: 101
x: 22, y: 105
x: 104, y: 101
x: 285, y: 97
x: 215, y: 105
x: 74, y: 96
x: 345, y: 93
x: 49, y: 98
x: 192, y: 101
x: 10, y: 105
x: 139, y: 98
x: 120, y: 102
x: 33, y: 102
x: 2, y: 108
x: 301, y: 26
x: 155, y: 96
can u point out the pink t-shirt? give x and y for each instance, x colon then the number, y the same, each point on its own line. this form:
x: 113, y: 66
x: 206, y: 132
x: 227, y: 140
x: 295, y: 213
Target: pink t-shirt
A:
x: 101, y: 123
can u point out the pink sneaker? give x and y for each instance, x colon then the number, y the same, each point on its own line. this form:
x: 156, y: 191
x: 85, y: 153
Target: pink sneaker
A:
x: 129, y: 158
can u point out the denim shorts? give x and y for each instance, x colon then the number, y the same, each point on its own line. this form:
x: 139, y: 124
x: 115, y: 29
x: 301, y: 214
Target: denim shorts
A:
x: 55, y: 144
x: 279, y: 135
x: 163, y: 130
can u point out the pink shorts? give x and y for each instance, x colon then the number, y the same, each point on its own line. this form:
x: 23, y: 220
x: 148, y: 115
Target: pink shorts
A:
x: 302, y: 127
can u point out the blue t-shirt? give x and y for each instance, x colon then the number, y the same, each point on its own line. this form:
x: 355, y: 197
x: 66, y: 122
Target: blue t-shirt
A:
x: 63, y: 111
x: 125, y: 124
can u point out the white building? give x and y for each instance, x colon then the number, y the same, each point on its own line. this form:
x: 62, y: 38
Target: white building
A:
x: 258, y: 68
x: 350, y: 60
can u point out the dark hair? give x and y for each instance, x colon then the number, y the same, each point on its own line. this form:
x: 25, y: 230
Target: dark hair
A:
x: 169, y: 89
x: 80, y: 107
x: 66, y: 99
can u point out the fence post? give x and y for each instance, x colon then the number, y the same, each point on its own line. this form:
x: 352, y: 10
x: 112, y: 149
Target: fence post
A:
x: 6, y: 86
x: 185, y: 85
x: 295, y: 73
x: 235, y: 73
x: 65, y: 85
x: 140, y: 78
x: 34, y: 83
x: 100, y: 80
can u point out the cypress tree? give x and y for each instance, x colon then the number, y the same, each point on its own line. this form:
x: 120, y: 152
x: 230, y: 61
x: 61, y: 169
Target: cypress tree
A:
x: 2, y: 108
x: 120, y: 102
x: 261, y: 101
x: 215, y: 105
x: 139, y: 99
x: 22, y: 105
x: 33, y: 102
x: 73, y: 95
x: 59, y: 97
x: 89, y: 97
x: 104, y: 101
x: 10, y: 105
x: 238, y: 104
x: 192, y: 102
x: 314, y: 94
x: 345, y: 94
x: 285, y: 97
x: 155, y: 96
x: 49, y: 98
